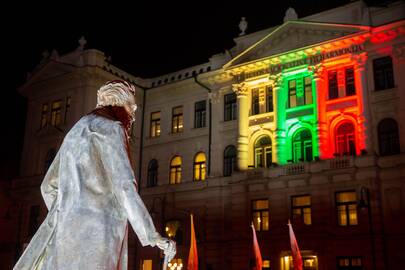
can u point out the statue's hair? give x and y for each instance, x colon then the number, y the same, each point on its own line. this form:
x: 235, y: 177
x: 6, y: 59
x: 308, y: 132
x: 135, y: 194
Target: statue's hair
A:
x: 115, y: 93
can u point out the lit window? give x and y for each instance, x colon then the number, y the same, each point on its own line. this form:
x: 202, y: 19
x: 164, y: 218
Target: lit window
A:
x: 174, y: 231
x: 309, y: 262
x: 230, y: 107
x: 200, y: 114
x: 263, y: 152
x: 383, y: 73
x: 301, y: 209
x: 266, y: 264
x: 260, y: 215
x: 388, y: 137
x: 55, y: 113
x: 155, y: 124
x: 346, y: 203
x: 255, y: 102
x: 302, y: 146
x: 175, y: 170
x: 152, y: 173
x: 200, y: 167
x: 292, y: 94
x: 349, y: 263
x: 146, y: 264
x: 44, y: 115
x: 345, y: 139
x: 229, y: 160
x: 177, y: 119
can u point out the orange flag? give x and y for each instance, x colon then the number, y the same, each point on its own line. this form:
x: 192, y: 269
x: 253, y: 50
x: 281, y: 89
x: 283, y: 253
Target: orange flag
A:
x: 192, y: 263
x: 257, y: 262
x: 295, y: 250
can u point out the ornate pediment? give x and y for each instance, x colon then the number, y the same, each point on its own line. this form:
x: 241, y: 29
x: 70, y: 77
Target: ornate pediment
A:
x: 48, y: 70
x: 294, y: 35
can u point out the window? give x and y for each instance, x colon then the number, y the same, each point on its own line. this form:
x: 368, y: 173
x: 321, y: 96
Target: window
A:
x: 349, y: 263
x: 345, y: 139
x: 341, y: 83
x: 147, y: 265
x: 302, y: 146
x: 307, y: 90
x: 292, y: 94
x: 383, y: 73
x: 49, y: 159
x: 44, y: 115
x: 255, y: 101
x: 67, y: 107
x: 229, y: 160
x: 269, y: 99
x: 34, y: 220
x: 230, y: 107
x: 388, y: 137
x: 349, y: 77
x: 200, y: 114
x: 260, y: 215
x: 174, y: 231
x: 346, y: 203
x: 333, y: 84
x: 55, y: 113
x: 301, y: 209
x: 177, y: 119
x: 309, y: 262
x: 263, y: 152
x: 175, y: 170
x: 266, y: 264
x: 155, y: 124
x: 199, y: 167
x: 152, y: 173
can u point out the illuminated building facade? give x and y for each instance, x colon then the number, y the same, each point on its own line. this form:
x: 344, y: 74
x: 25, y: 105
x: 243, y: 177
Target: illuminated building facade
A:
x: 302, y: 121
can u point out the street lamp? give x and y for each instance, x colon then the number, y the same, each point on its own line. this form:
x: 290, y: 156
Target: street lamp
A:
x: 364, y: 203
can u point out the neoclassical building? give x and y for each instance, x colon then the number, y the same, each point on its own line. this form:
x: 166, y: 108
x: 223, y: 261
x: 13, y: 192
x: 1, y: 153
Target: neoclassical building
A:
x: 304, y: 121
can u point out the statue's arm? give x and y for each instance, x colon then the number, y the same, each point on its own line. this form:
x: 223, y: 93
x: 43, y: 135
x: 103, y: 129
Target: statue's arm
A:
x: 49, y: 186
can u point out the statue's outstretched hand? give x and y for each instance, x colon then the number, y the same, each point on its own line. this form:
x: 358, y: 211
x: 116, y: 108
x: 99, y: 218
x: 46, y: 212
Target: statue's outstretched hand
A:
x: 168, y: 246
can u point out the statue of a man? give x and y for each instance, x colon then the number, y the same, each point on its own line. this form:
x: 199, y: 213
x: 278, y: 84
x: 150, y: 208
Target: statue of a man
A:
x: 90, y: 192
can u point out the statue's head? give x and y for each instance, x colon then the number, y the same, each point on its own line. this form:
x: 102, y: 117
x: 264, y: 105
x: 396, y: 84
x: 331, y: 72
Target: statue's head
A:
x: 118, y: 93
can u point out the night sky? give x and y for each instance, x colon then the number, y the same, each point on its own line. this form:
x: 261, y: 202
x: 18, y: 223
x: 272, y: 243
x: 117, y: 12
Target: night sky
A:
x: 145, y: 40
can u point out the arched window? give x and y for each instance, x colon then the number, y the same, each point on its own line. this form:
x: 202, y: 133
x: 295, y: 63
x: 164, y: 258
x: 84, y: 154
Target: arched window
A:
x: 175, y: 170
x: 229, y: 160
x: 345, y: 139
x: 152, y: 173
x: 388, y: 137
x: 263, y: 152
x: 302, y: 146
x: 49, y: 158
x: 200, y: 167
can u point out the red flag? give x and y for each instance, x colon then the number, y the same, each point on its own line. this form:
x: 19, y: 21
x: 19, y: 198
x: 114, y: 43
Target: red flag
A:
x: 192, y: 263
x: 256, y: 264
x: 295, y: 250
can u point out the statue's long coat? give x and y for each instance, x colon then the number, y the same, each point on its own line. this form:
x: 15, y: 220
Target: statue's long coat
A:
x: 90, y: 194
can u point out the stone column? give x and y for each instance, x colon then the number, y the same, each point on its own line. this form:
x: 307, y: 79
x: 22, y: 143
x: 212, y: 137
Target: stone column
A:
x: 279, y: 118
x: 321, y: 124
x: 243, y: 125
x: 364, y: 120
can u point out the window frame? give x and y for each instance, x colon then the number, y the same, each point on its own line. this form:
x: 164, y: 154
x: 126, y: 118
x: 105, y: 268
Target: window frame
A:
x: 346, y: 209
x: 261, y: 216
x: 152, y: 175
x: 202, y: 167
x: 177, y: 120
x: 200, y: 114
x: 229, y: 161
x: 230, y: 107
x: 155, y: 125
x: 302, y: 208
x: 177, y: 173
x: 385, y: 69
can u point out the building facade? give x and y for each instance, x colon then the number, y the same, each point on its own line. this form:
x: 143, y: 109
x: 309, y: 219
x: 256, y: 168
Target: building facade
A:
x: 302, y: 121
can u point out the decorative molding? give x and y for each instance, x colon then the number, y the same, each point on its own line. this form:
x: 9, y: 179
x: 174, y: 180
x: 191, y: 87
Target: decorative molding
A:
x: 240, y: 89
